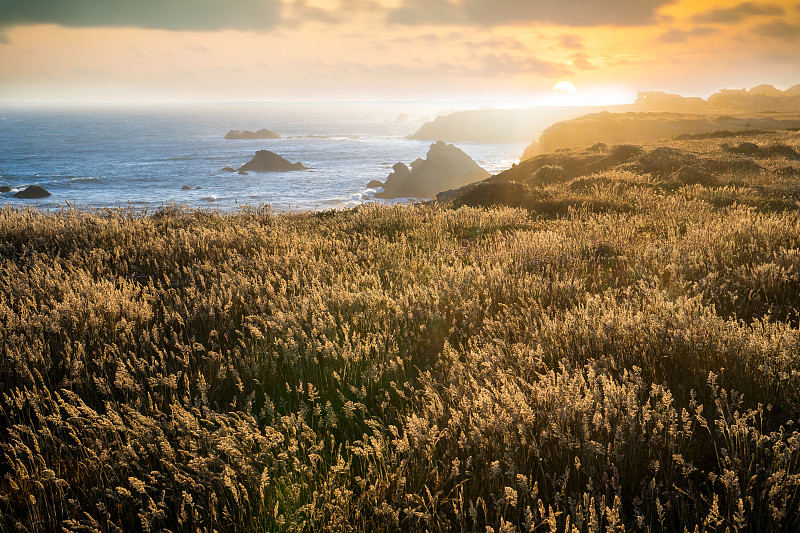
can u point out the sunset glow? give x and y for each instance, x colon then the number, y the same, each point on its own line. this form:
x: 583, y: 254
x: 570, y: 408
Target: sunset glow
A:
x: 271, y: 50
x: 565, y: 87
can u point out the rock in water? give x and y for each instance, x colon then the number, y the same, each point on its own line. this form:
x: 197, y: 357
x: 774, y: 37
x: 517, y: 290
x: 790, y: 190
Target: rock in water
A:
x: 32, y: 192
x: 5, y: 188
x: 228, y: 169
x: 445, y: 167
x: 266, y: 161
x: 246, y: 134
x: 375, y: 184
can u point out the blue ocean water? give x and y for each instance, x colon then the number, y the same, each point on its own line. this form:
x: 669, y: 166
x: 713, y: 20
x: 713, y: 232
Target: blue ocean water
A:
x: 142, y: 155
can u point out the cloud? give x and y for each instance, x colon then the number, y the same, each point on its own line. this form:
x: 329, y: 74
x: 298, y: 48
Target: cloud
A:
x: 496, y: 43
x: 779, y: 29
x: 197, y: 48
x: 504, y: 65
x: 516, y: 12
x: 91, y: 73
x: 427, y: 11
x: 779, y: 56
x: 489, y: 66
x: 680, y: 36
x: 571, y: 41
x: 188, y: 15
x: 582, y: 61
x: 732, y: 15
x: 300, y: 11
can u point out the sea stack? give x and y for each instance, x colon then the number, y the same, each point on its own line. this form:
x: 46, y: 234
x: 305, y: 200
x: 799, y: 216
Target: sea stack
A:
x: 266, y: 161
x: 445, y: 167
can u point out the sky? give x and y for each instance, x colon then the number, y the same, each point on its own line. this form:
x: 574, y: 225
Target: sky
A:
x: 495, y: 52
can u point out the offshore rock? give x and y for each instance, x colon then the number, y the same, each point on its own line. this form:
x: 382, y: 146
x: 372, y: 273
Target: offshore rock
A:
x: 247, y: 134
x: 266, y: 161
x: 33, y: 192
x: 445, y: 167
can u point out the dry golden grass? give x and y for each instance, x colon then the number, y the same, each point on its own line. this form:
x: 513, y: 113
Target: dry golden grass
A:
x: 622, y: 354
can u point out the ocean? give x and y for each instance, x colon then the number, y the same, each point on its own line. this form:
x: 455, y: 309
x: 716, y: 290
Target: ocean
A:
x: 94, y: 156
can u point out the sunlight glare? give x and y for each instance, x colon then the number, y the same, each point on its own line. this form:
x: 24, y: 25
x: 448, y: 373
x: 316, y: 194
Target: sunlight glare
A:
x: 565, y: 86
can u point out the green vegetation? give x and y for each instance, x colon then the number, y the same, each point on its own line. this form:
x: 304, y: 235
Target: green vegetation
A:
x: 619, y: 351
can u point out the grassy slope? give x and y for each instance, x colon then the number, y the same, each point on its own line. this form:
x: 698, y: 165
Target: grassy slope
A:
x: 620, y: 350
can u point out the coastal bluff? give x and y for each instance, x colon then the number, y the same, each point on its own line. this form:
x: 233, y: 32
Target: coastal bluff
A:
x: 445, y: 167
x: 633, y: 127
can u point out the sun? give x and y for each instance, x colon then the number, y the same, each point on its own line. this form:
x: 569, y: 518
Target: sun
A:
x: 565, y: 87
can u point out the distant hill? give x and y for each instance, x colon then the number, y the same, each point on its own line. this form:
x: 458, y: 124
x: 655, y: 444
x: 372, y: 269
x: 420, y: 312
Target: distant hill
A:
x: 614, y: 128
x: 510, y: 125
x: 501, y: 125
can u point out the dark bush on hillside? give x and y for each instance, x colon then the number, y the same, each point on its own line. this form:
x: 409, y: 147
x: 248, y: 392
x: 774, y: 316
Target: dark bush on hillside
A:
x: 548, y: 174
x: 754, y: 150
x: 598, y: 147
x: 623, y: 153
x: 496, y: 193
x: 664, y: 160
x: 695, y: 175
x: 783, y: 150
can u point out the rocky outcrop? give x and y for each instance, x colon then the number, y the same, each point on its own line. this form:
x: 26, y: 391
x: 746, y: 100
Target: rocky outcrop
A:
x: 445, y: 167
x: 5, y: 188
x: 266, y: 161
x: 32, y: 192
x: 247, y: 134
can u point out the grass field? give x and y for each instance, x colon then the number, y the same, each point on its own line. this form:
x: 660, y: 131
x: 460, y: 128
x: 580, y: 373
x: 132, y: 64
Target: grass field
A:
x: 616, y: 349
